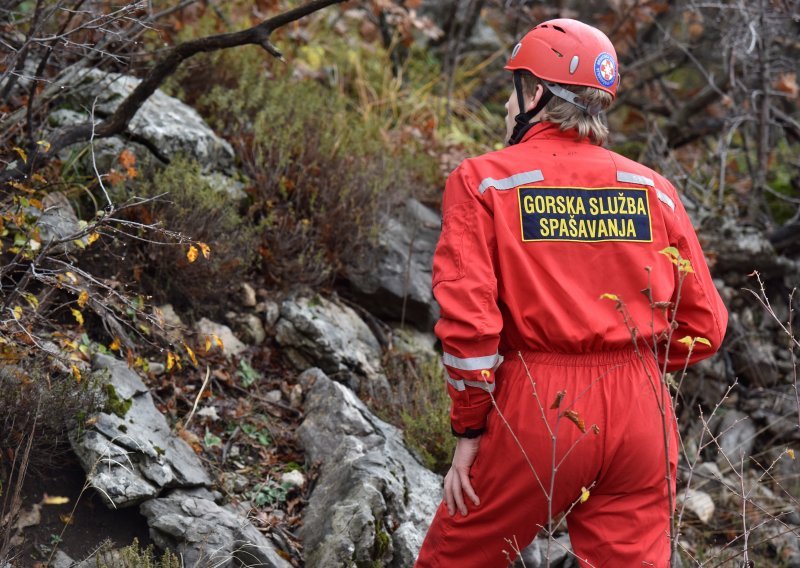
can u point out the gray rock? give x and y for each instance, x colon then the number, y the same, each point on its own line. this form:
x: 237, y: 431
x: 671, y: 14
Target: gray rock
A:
x: 57, y: 220
x: 369, y: 483
x: 230, y: 343
x: 777, y: 408
x: 736, y: 435
x: 61, y: 560
x: 163, y: 121
x: 396, y: 275
x: 325, y: 333
x: 206, y: 535
x: 247, y: 326
x: 536, y: 554
x: 133, y: 457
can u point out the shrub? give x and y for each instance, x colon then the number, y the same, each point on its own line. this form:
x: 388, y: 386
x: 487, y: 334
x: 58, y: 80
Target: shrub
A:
x: 422, y: 409
x: 192, y: 206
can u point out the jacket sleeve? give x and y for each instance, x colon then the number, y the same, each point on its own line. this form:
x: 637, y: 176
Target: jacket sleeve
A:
x: 465, y: 286
x: 700, y: 312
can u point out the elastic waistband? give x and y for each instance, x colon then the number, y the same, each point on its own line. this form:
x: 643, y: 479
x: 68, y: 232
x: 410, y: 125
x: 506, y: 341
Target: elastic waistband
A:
x: 594, y: 359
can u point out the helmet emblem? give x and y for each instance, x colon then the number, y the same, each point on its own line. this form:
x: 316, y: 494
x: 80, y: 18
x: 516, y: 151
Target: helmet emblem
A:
x: 605, y: 69
x: 516, y: 50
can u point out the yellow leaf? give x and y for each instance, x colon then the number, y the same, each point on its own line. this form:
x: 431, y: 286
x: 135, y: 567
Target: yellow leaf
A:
x: 208, y: 343
x: 21, y: 153
x: 191, y: 354
x: 688, y: 340
x: 66, y: 519
x: 790, y: 453
x: 32, y: 300
x: 77, y: 315
x: 92, y: 237
x: 609, y: 297
x: 17, y: 312
x: 170, y: 360
x: 71, y: 277
x: 685, y: 265
x: 671, y: 253
x: 83, y: 298
x: 44, y: 144
x: 205, y: 249
x: 76, y: 373
x: 48, y: 500
x: 218, y: 341
x: 703, y: 340
x: 584, y: 495
x: 38, y: 178
x: 192, y: 254
x: 115, y: 345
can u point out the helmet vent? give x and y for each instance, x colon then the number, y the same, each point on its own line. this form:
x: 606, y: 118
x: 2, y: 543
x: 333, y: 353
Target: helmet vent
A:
x: 557, y: 52
x: 559, y: 29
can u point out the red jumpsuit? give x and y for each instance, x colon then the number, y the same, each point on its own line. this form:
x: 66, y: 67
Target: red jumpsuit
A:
x: 533, y: 236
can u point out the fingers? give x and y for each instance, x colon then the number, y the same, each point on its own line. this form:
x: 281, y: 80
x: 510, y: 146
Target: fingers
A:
x: 467, y: 489
x: 458, y: 494
x: 456, y: 486
x: 449, y: 500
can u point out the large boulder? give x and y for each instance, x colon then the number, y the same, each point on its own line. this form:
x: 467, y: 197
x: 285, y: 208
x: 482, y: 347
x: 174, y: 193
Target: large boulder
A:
x: 373, y: 501
x: 393, y: 281
x: 129, y: 453
x: 163, y: 122
x: 325, y: 333
x: 204, y: 534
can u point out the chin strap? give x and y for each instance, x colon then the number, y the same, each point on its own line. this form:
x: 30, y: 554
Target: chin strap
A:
x: 523, y: 119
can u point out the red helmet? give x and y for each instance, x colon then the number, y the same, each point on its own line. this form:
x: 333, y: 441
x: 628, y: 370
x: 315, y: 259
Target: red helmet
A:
x: 568, y: 52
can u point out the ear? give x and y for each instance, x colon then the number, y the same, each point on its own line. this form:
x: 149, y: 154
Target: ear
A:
x: 531, y: 102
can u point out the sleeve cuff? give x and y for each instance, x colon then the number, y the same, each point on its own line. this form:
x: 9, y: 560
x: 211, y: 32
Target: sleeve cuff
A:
x: 468, y: 432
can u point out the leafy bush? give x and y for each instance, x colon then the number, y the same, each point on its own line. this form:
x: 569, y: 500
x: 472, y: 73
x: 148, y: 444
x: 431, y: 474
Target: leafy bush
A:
x: 192, y: 205
x: 423, y: 411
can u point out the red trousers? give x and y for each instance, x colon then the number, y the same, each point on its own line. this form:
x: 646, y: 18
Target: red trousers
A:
x: 625, y: 521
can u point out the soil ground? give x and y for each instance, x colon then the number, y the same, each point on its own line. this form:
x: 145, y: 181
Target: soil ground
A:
x: 92, y: 522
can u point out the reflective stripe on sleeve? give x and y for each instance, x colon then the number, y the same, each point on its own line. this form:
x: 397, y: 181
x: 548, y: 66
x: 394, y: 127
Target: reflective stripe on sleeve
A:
x: 461, y: 385
x: 627, y: 177
x: 664, y: 198
x: 470, y: 363
x: 511, y: 181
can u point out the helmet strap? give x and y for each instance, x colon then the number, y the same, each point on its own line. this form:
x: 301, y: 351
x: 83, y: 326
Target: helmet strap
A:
x: 523, y: 119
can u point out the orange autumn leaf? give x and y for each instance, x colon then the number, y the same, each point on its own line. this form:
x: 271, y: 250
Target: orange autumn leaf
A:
x: 83, y: 298
x: 573, y: 416
x: 127, y: 159
x: 206, y: 250
x: 192, y: 253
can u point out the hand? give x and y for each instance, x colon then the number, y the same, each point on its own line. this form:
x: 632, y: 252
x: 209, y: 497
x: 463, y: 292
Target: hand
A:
x: 456, y: 482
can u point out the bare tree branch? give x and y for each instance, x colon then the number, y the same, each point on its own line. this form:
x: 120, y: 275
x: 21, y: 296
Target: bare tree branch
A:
x: 118, y: 122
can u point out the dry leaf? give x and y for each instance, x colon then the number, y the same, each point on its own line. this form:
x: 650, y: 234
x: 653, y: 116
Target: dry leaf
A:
x: 83, y: 298
x: 54, y: 500
x: 559, y: 397
x: 192, y: 254
x: 206, y: 250
x: 576, y: 419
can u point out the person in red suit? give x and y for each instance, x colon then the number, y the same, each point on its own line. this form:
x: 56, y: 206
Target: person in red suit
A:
x: 569, y: 279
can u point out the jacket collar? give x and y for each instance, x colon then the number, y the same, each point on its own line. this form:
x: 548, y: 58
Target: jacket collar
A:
x: 549, y: 130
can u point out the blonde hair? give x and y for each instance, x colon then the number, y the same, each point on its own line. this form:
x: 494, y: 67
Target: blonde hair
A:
x: 567, y: 115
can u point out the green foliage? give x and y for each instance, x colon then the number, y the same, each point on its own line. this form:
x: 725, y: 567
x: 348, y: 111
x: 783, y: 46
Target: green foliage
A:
x: 247, y: 374
x: 269, y: 493
x: 424, y: 415
x: 115, y: 404
x: 133, y: 556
